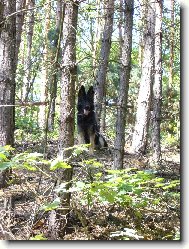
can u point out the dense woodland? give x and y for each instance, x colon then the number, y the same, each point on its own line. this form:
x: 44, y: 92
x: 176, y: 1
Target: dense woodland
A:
x: 51, y: 188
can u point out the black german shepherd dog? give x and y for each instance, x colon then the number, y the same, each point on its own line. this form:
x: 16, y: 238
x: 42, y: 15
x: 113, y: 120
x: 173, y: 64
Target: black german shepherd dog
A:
x: 88, y: 131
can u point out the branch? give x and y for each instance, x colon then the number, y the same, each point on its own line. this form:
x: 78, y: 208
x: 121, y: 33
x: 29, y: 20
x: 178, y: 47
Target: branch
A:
x: 27, y: 104
x: 19, y: 11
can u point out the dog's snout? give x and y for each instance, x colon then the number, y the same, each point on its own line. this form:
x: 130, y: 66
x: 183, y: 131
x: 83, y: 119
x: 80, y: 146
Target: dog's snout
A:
x: 87, y: 107
x: 87, y: 110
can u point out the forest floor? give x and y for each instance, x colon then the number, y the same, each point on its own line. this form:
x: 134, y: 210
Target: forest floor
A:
x: 21, y: 202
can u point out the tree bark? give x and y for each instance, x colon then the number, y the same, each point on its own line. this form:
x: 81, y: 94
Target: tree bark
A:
x: 142, y: 24
x: 20, y: 4
x: 29, y: 37
x: 124, y: 84
x: 67, y: 105
x: 104, y: 55
x: 45, y: 68
x: 95, y: 33
x: 171, y: 61
x: 54, y: 58
x: 157, y: 86
x: 139, y: 141
x: 7, y: 76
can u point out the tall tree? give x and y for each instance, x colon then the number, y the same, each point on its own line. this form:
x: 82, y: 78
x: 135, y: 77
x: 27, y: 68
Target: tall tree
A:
x: 157, y: 86
x: 7, y: 75
x: 171, y: 42
x: 29, y: 25
x: 104, y: 55
x: 68, y: 77
x: 142, y: 22
x: 20, y: 5
x: 95, y: 32
x: 45, y: 67
x: 139, y: 141
x: 54, y: 58
x: 125, y: 61
x: 67, y: 85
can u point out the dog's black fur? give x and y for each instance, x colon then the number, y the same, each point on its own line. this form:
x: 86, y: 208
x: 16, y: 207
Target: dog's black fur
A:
x: 88, y: 129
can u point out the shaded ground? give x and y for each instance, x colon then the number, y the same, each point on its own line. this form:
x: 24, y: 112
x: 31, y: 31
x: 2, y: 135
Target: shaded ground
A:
x: 21, y: 216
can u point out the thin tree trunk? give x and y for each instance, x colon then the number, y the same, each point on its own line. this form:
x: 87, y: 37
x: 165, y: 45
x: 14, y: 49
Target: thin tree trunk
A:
x: 139, y: 141
x: 124, y: 84
x: 29, y: 37
x: 45, y: 68
x: 95, y: 36
x: 55, y: 56
x: 20, y: 4
x: 157, y: 87
x: 67, y: 105
x: 104, y: 55
x: 171, y: 61
x: 7, y: 76
x: 143, y: 20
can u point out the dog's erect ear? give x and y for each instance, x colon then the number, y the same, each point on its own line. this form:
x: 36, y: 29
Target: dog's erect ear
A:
x: 90, y: 92
x: 81, y: 92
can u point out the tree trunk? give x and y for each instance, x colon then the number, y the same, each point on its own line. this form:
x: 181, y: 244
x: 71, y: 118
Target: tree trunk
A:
x: 45, y: 68
x: 157, y: 87
x: 104, y: 55
x: 7, y: 76
x: 142, y: 24
x: 95, y: 35
x: 29, y: 36
x: 67, y: 105
x: 143, y: 104
x: 54, y: 58
x: 124, y: 84
x: 171, y: 61
x: 20, y: 4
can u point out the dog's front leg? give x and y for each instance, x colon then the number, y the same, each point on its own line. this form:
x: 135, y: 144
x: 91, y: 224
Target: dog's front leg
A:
x: 92, y: 142
x: 81, y: 139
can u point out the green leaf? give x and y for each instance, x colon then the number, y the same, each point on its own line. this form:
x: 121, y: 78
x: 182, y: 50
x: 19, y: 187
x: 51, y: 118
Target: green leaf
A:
x: 51, y: 206
x: 92, y: 162
x: 156, y: 201
x: 108, y: 195
x: 6, y: 148
x: 78, y: 149
x: 159, y: 179
x: 59, y: 164
x: 113, y: 171
x: 38, y: 237
x: 5, y: 165
x: 2, y: 157
x: 177, y: 236
x: 28, y: 166
x: 138, y: 191
x: 127, y: 187
x: 98, y: 175
x: 172, y: 184
x: 158, y: 185
x: 138, y: 213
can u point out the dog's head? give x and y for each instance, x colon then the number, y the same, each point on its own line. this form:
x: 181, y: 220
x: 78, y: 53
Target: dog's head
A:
x: 85, y: 103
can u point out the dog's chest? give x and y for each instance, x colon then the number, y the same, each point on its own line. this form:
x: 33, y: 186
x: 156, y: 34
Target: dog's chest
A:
x: 85, y: 119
